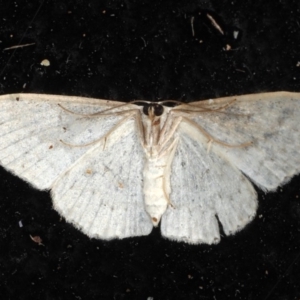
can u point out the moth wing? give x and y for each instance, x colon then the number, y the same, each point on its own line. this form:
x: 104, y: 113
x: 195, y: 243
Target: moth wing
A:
x: 270, y: 122
x: 35, y: 130
x: 93, y: 164
x: 102, y: 194
x: 205, y: 185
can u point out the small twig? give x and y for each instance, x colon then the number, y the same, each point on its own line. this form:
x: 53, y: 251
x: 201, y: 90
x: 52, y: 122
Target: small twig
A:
x: 18, y: 46
x: 215, y: 24
x: 192, y: 25
x: 145, y: 44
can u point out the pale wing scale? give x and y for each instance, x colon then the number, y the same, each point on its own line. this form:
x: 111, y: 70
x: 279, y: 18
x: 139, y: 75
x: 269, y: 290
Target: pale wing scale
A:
x: 33, y: 126
x: 203, y: 186
x: 270, y: 121
x: 102, y: 194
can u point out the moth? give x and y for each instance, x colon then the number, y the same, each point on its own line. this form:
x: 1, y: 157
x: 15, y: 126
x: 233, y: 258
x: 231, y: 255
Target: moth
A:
x: 117, y: 169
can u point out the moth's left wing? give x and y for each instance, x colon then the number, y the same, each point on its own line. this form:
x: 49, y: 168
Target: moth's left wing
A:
x: 43, y: 135
x: 87, y: 151
x: 102, y: 193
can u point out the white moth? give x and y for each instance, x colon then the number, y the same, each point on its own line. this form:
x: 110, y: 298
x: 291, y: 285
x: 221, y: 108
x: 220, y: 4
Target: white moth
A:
x: 116, y: 170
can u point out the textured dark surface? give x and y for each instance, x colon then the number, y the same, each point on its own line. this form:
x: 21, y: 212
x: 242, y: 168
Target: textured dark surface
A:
x: 128, y: 50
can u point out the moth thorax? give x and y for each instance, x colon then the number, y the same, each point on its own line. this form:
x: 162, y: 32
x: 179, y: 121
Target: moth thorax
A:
x: 152, y: 130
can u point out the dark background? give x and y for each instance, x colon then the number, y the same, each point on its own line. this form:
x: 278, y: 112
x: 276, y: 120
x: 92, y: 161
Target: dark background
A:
x: 127, y: 50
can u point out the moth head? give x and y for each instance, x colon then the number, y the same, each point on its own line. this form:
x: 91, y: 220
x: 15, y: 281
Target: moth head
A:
x: 153, y: 110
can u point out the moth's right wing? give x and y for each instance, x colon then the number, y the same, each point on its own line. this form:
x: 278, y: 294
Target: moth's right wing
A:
x: 205, y: 186
x: 268, y: 122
